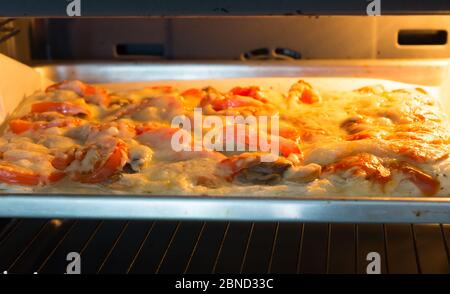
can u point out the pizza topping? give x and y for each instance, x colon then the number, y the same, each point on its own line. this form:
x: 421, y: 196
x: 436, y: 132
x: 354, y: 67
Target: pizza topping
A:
x: 162, y: 139
x: 16, y: 175
x: 61, y: 107
x: 304, y: 174
x: 64, y: 160
x: 417, y: 152
x: 366, y: 165
x: 304, y: 93
x: 354, y: 124
x: 41, y: 121
x: 95, y: 164
x: 25, y: 163
x: 256, y: 139
x: 238, y: 101
x: 197, y: 93
x: 139, y: 157
x: 248, y: 168
x: 150, y: 109
x: 223, y: 103
x: 428, y: 185
x: 253, y: 91
x: 90, y: 93
x: 370, y: 134
x: 18, y: 126
x: 374, y: 169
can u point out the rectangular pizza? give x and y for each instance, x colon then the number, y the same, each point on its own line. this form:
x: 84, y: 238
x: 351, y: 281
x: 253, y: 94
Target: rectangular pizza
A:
x: 252, y: 140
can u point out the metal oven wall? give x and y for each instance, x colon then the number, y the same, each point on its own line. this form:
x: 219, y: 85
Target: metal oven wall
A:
x: 324, y: 37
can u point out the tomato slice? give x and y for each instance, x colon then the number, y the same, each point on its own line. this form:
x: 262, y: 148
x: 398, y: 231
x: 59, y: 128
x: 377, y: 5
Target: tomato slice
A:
x: 369, y: 164
x: 19, y: 126
x: 60, y: 163
x: 194, y: 93
x: 61, y: 107
x: 56, y: 176
x: 307, y: 97
x: 252, y: 91
x: 285, y: 146
x: 288, y: 146
x: 11, y: 174
x: 247, y: 91
x: 109, y: 167
x: 304, y: 92
x: 92, y: 94
x: 426, y: 183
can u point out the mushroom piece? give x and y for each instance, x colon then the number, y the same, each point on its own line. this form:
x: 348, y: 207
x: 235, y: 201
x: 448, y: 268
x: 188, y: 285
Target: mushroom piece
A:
x: 139, y: 158
x: 249, y: 168
x: 267, y: 173
x: 303, y: 174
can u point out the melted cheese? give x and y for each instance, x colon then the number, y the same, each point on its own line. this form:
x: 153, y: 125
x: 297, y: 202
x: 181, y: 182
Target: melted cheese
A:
x: 397, y: 127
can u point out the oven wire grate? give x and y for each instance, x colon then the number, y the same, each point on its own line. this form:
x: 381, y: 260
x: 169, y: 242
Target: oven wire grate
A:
x: 30, y: 245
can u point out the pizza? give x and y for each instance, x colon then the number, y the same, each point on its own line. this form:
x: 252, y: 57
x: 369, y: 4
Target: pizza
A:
x: 245, y: 141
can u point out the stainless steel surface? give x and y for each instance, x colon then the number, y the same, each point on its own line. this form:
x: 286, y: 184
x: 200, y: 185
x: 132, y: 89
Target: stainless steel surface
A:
x: 295, y: 208
x: 427, y: 72
x: 227, y: 38
x: 144, y: 247
x: 363, y: 209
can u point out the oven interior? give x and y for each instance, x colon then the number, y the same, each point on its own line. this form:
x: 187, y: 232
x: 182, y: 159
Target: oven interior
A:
x: 198, y: 246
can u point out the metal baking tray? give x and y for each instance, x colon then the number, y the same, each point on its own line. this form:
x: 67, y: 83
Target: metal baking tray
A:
x: 296, y: 208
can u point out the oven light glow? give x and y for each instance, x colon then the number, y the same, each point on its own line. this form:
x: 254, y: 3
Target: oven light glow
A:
x: 6, y: 273
x: 56, y: 223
